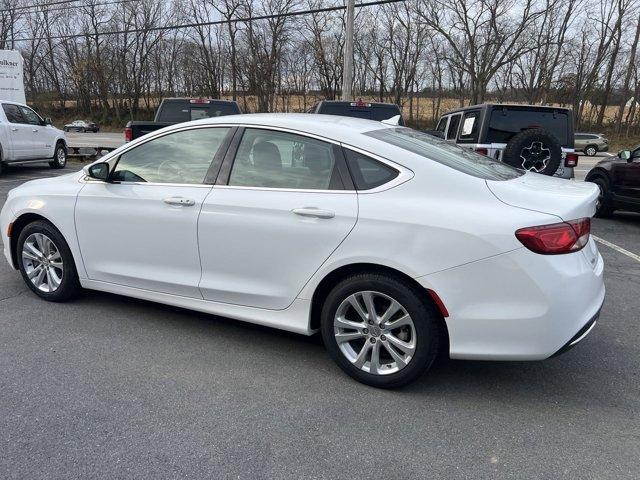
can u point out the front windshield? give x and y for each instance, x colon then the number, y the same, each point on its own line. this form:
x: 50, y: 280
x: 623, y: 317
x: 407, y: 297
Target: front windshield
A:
x: 446, y: 153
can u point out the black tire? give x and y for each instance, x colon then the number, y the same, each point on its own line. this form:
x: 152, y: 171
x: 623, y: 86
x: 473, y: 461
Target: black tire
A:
x: 426, y: 319
x: 605, y: 205
x: 82, y: 130
x: 69, y: 286
x: 65, y: 129
x: 591, y: 150
x: 58, y: 161
x: 541, y: 149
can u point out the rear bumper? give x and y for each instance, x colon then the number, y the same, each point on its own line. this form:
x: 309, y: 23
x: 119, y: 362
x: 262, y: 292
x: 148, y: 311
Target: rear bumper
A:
x: 578, y: 337
x: 519, y: 305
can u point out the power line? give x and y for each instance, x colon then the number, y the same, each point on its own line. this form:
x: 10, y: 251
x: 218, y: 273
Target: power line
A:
x: 203, y: 24
x: 43, y: 5
x: 43, y: 8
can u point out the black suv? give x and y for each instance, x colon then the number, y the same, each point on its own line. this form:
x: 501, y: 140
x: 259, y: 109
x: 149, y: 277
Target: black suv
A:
x: 359, y: 109
x: 618, y: 179
x: 532, y: 137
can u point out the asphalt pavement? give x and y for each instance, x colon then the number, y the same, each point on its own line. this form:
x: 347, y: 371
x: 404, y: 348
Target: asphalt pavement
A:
x: 111, y: 387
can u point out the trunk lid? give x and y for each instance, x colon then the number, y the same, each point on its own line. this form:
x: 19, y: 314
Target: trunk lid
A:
x: 566, y: 199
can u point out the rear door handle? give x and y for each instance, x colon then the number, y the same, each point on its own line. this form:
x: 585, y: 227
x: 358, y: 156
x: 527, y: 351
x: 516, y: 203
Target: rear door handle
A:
x: 313, y: 212
x: 34, y: 130
x: 179, y: 201
x: 13, y: 129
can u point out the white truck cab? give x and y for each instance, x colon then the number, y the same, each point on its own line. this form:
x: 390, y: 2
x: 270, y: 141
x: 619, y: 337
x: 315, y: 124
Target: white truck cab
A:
x: 25, y: 137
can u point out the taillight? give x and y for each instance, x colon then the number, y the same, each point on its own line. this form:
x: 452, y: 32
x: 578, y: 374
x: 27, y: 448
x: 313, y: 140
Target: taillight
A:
x: 482, y: 151
x: 571, y: 160
x: 128, y: 134
x: 557, y: 238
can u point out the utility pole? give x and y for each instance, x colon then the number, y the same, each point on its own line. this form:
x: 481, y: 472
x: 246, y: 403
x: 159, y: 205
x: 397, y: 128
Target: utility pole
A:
x: 347, y: 71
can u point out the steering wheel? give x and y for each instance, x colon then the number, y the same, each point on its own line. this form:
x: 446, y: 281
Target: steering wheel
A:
x: 169, y: 169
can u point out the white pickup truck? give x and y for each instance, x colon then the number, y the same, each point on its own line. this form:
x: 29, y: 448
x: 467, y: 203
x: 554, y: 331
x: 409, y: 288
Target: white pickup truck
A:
x: 25, y: 137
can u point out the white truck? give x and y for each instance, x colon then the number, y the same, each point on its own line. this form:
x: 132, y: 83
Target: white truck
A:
x: 25, y: 137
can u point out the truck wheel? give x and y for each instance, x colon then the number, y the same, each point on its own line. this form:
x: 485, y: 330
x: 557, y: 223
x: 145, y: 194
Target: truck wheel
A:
x: 536, y: 150
x: 59, y: 157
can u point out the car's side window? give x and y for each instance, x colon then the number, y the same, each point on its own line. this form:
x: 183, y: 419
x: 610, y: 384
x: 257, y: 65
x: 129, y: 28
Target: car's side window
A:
x: 30, y: 116
x: 274, y: 159
x: 442, y: 124
x: 469, y: 130
x: 13, y: 113
x: 454, y: 123
x: 366, y: 172
x: 180, y: 157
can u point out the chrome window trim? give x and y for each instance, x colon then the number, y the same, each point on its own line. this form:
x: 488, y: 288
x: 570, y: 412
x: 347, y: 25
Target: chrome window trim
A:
x: 404, y: 174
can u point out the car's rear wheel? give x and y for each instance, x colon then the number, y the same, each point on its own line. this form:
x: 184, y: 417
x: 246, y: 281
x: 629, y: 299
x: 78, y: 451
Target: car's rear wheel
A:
x: 604, y: 207
x: 591, y: 150
x: 380, y: 330
x: 46, y: 262
x: 59, y: 156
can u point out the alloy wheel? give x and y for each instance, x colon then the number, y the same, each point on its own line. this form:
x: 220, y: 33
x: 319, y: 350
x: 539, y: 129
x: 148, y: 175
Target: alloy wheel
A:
x: 375, y: 332
x: 61, y: 156
x: 42, y: 262
x: 535, y: 157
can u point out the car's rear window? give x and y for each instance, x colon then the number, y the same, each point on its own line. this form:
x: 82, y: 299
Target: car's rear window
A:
x: 506, y: 122
x: 368, y: 111
x: 185, y: 111
x: 447, y: 153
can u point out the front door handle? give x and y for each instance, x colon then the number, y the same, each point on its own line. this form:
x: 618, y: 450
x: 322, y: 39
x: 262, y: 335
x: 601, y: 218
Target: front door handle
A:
x: 179, y: 201
x: 313, y: 212
x: 34, y: 130
x: 13, y: 129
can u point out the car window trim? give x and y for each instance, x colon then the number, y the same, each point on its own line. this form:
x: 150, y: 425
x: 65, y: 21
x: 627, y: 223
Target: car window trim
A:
x: 155, y: 137
x: 20, y: 111
x: 230, y: 158
x: 404, y: 174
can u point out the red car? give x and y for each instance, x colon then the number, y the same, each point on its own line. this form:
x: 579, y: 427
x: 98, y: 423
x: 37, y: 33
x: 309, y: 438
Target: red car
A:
x: 619, y: 181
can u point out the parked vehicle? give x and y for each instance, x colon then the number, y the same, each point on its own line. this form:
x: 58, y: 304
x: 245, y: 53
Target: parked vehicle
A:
x: 359, y: 109
x: 25, y: 137
x: 82, y: 126
x: 534, y: 138
x: 178, y: 110
x: 618, y: 179
x: 393, y: 243
x: 591, y: 143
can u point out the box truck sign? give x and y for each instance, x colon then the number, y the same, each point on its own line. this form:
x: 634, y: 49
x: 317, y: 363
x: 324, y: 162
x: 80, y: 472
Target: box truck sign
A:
x: 11, y: 76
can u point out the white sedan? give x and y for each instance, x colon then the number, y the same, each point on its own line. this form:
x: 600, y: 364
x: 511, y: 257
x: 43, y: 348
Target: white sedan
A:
x: 394, y: 244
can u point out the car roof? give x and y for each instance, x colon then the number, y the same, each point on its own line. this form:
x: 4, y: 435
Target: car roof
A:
x: 501, y: 105
x: 335, y: 127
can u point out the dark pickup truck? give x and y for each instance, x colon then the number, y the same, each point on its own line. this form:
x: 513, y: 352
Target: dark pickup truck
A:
x: 178, y: 110
x: 359, y: 109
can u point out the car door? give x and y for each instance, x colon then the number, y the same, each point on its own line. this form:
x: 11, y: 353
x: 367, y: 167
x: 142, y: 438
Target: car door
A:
x: 19, y: 132
x: 139, y: 229
x: 282, y: 204
x: 41, y: 146
x: 627, y: 178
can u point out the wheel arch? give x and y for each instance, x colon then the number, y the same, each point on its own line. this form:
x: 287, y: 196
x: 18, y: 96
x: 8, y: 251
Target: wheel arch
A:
x: 597, y: 173
x: 332, y: 278
x: 18, y: 225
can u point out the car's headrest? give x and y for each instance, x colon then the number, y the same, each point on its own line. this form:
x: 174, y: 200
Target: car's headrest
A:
x: 266, y: 155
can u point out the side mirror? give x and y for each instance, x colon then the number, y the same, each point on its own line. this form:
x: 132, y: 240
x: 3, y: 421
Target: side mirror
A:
x: 625, y: 155
x: 99, y: 171
x: 48, y: 121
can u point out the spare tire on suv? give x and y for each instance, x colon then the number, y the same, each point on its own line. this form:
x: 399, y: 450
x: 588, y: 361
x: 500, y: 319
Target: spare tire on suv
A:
x: 535, y: 150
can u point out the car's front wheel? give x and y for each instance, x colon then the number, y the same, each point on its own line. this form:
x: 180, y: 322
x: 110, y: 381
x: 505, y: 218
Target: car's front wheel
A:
x: 604, y: 208
x: 46, y: 262
x: 380, y: 330
x: 59, y: 156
